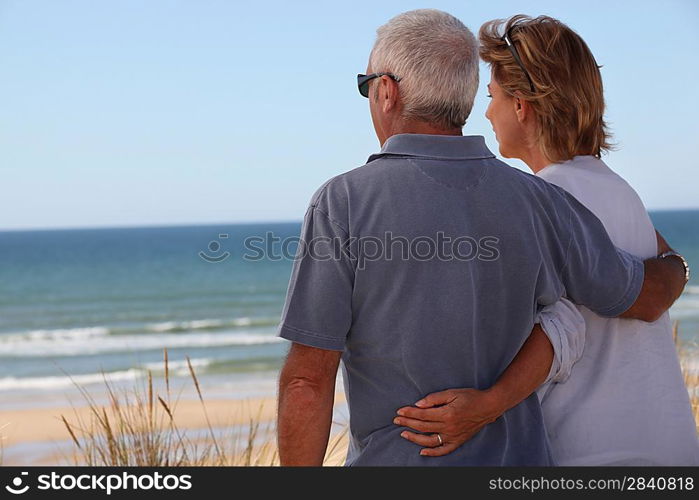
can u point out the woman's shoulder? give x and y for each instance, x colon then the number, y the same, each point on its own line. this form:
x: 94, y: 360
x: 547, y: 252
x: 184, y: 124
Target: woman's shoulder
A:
x: 591, y: 181
x: 610, y: 197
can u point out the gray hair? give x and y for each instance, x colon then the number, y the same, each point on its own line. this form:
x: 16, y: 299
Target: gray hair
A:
x: 436, y: 58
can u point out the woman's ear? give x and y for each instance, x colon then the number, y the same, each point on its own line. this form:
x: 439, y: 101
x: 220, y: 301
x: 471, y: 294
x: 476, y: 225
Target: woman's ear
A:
x: 522, y: 109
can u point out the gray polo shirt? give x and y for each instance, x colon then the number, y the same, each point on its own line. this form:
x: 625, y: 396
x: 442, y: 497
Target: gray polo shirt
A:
x: 427, y: 267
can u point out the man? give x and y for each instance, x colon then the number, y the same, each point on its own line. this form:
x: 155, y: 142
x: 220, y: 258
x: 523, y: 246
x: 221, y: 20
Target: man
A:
x: 446, y: 256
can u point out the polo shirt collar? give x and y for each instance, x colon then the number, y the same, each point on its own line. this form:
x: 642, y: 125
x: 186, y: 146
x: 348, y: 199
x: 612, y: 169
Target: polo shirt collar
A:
x: 451, y: 147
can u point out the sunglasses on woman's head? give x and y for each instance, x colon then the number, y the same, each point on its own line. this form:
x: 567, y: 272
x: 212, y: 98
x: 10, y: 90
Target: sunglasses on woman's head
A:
x: 506, y: 38
x: 363, y: 81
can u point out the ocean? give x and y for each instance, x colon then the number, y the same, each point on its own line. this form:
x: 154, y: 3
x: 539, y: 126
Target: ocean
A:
x: 79, y: 305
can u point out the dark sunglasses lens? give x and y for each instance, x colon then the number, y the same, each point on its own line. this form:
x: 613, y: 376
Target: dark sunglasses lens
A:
x: 363, y: 84
x: 364, y: 88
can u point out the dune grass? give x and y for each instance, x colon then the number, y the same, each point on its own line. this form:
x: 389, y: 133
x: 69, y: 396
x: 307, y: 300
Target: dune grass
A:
x: 139, y: 428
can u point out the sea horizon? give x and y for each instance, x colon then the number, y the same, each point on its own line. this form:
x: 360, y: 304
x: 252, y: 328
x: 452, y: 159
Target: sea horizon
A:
x: 158, y: 225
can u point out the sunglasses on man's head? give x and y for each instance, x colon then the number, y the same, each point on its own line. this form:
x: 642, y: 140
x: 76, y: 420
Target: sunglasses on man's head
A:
x: 363, y: 81
x: 506, y: 38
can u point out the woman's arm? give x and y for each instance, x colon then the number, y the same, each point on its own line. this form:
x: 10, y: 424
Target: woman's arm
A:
x: 565, y: 328
x: 458, y: 414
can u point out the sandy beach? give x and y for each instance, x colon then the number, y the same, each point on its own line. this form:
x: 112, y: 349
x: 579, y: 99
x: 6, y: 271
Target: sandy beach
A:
x: 38, y: 436
x: 45, y: 424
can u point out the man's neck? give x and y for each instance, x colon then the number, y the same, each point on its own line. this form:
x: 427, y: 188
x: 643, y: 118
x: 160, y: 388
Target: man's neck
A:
x: 416, y: 127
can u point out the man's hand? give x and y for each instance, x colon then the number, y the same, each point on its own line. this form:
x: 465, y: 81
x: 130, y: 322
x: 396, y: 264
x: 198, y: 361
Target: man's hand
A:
x: 455, y: 414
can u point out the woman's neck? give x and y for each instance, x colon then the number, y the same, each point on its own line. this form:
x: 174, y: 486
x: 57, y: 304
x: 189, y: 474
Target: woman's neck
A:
x: 535, y: 159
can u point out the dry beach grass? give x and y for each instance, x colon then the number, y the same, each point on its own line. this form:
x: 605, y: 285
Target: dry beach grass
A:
x: 141, y: 428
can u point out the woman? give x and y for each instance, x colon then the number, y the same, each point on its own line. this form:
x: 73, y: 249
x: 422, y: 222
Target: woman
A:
x: 624, y: 402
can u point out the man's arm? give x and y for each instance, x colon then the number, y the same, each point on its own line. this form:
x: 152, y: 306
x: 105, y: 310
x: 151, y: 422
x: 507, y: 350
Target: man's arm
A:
x: 606, y: 279
x: 663, y: 283
x: 306, y: 396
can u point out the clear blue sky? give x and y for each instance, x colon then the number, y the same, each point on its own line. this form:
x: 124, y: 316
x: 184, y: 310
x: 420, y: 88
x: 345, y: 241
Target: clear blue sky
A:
x: 164, y: 112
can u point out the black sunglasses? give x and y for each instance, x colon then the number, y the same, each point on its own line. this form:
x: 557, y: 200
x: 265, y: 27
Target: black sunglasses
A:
x: 363, y: 81
x: 506, y: 38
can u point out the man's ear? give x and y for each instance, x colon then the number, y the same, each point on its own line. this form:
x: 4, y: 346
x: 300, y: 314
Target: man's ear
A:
x: 388, y: 93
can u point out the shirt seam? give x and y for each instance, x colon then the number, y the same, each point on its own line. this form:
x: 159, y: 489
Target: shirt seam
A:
x: 307, y: 332
x: 570, y: 240
x: 332, y: 221
x: 478, y: 182
x: 348, y: 263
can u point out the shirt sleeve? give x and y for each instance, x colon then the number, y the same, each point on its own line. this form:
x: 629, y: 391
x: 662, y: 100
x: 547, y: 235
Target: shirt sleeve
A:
x: 597, y: 274
x: 318, y: 307
x: 565, y: 328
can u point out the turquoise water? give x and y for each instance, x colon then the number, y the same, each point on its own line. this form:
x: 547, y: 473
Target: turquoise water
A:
x: 83, y: 302
x: 87, y: 301
x: 681, y: 230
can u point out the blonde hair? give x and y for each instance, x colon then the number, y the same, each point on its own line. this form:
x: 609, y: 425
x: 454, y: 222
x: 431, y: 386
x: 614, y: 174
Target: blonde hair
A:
x: 436, y: 58
x: 568, y: 97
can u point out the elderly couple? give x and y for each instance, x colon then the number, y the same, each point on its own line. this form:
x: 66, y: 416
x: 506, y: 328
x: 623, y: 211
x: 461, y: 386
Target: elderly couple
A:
x: 555, y: 347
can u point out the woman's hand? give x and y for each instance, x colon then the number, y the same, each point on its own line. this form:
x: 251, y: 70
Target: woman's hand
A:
x: 448, y: 419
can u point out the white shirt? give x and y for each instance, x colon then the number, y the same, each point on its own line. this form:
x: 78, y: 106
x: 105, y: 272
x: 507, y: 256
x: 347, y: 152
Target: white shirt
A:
x: 625, y: 402
x: 565, y: 328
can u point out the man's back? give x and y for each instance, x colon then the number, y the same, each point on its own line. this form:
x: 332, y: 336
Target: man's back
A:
x: 450, y: 255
